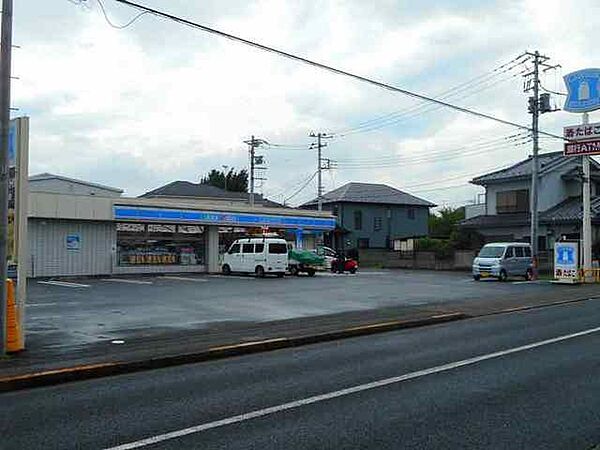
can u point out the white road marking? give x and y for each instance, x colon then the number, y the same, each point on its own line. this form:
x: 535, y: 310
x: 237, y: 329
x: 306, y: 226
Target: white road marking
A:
x: 65, y: 284
x: 126, y: 280
x: 343, y: 392
x: 196, y: 280
x: 41, y: 304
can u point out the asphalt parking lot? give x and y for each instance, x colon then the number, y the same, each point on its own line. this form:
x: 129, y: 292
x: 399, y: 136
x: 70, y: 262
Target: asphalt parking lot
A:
x: 82, y: 311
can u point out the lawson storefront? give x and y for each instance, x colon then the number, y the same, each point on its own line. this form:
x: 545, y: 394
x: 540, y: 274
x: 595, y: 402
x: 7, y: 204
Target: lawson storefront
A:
x: 109, y: 237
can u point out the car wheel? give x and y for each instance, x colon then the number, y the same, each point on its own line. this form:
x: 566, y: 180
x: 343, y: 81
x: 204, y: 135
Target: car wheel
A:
x: 294, y: 270
x: 477, y: 277
x: 529, y: 275
x: 311, y: 272
x: 260, y: 271
x: 353, y: 271
x: 280, y: 275
x: 503, y: 275
x: 226, y: 269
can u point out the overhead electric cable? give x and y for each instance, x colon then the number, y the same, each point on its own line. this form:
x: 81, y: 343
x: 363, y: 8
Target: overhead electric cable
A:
x: 327, y: 67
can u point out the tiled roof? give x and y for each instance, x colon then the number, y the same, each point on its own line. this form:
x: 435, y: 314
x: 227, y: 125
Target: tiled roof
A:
x: 570, y: 210
x: 198, y: 190
x: 500, y: 221
x: 371, y: 193
x: 522, y: 169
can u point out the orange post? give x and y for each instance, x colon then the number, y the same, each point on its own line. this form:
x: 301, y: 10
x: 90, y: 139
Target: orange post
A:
x: 14, y: 341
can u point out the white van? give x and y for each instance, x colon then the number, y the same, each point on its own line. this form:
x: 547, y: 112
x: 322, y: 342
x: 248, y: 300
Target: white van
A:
x: 260, y: 256
x: 502, y: 260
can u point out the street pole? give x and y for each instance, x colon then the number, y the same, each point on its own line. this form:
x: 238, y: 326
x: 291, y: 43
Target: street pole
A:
x: 320, y: 174
x: 535, y: 164
x: 5, y: 69
x: 252, y: 151
x: 587, y: 217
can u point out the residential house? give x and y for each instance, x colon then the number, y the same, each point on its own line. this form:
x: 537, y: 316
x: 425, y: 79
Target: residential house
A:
x: 373, y: 215
x: 185, y: 190
x: 505, y: 215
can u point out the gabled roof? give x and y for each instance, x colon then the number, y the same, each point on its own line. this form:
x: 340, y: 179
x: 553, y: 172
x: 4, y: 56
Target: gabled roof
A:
x: 370, y: 193
x: 523, y: 169
x: 199, y: 190
x: 51, y: 176
x: 570, y: 210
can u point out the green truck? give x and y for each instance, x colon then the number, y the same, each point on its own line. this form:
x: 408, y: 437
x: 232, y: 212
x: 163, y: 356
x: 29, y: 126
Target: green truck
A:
x: 304, y: 261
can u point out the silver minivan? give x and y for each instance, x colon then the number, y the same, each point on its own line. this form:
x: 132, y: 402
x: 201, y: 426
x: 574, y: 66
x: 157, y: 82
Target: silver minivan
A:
x: 502, y: 260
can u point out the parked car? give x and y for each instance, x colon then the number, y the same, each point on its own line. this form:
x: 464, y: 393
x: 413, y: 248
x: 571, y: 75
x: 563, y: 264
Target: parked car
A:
x: 328, y: 253
x: 260, y: 256
x: 502, y: 260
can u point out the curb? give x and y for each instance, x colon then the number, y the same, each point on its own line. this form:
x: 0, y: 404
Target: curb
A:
x: 86, y: 372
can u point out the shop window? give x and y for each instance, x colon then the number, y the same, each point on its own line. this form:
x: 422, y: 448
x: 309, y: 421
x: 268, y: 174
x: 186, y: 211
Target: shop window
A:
x: 248, y: 248
x: 160, y: 244
x: 377, y: 221
x: 259, y: 248
x: 278, y: 249
x: 358, y: 220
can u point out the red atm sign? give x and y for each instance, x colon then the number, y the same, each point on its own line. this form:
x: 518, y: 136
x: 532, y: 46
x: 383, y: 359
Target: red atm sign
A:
x: 582, y: 148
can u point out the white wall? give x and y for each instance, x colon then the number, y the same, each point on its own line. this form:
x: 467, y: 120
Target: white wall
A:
x: 58, y: 186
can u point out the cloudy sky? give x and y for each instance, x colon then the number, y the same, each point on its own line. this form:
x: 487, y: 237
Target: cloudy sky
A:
x: 156, y: 102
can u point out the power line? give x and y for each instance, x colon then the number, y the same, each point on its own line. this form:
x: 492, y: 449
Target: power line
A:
x: 118, y: 27
x: 325, y: 66
x: 394, y: 117
x: 301, y: 188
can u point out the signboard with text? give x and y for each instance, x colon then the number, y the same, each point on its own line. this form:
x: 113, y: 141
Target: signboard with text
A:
x: 582, y: 132
x: 582, y: 148
x: 566, y: 261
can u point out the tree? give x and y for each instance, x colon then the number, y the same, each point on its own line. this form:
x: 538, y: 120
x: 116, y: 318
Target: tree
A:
x: 445, y: 223
x: 236, y: 181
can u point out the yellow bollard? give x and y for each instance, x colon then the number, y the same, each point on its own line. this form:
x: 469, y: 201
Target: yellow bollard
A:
x: 14, y: 340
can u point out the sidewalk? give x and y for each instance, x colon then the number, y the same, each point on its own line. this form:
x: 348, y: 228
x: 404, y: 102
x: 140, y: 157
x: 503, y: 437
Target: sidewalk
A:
x: 148, y: 348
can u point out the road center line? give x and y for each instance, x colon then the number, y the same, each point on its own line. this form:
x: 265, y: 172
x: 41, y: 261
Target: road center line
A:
x: 343, y: 392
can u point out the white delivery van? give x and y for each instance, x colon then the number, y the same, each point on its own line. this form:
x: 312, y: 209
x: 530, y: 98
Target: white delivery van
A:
x: 260, y: 256
x: 502, y: 260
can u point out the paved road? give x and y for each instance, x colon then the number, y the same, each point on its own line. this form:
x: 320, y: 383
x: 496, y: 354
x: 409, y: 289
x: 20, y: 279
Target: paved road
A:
x: 419, y: 388
x: 89, y: 311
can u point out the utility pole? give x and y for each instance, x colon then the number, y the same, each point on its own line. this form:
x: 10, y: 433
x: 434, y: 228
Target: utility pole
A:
x: 320, y: 164
x: 5, y: 69
x: 586, y: 234
x: 536, y: 107
x: 253, y: 144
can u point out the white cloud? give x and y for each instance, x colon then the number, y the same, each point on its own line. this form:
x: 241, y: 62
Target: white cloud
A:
x: 157, y: 101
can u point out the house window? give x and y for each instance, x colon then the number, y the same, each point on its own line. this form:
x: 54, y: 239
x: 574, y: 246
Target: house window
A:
x: 512, y: 201
x: 410, y: 212
x: 358, y: 220
x: 377, y: 221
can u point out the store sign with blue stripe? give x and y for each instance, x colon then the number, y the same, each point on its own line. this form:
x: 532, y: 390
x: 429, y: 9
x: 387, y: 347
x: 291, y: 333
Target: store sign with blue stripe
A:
x: 220, y: 218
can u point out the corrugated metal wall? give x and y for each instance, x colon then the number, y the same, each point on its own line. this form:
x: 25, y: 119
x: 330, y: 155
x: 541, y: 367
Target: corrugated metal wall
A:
x: 49, y: 255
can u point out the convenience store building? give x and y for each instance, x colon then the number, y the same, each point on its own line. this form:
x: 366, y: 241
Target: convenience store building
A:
x: 77, y: 228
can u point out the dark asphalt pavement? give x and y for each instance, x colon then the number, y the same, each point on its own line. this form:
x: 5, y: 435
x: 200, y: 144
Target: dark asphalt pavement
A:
x: 94, y: 310
x: 543, y: 397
